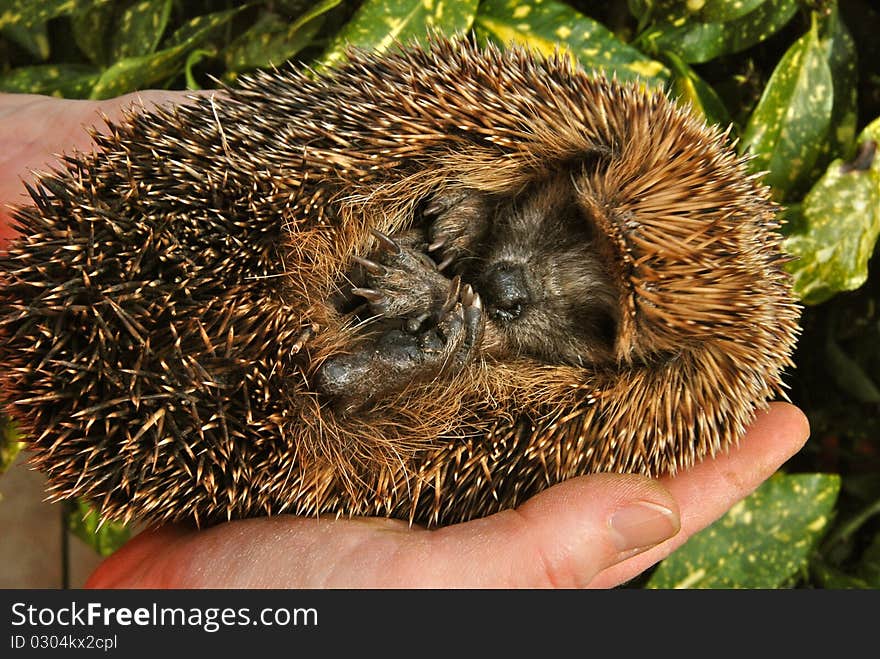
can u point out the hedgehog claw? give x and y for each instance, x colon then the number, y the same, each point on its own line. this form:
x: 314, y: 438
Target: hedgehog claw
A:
x: 473, y: 328
x: 387, y: 242
x: 370, y: 266
x: 468, y: 296
x: 451, y: 296
x: 458, y: 220
x: 370, y: 294
x: 437, y: 206
x: 445, y: 263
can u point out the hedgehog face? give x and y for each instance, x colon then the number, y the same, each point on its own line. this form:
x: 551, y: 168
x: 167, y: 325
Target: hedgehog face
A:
x: 534, y: 260
x: 504, y: 278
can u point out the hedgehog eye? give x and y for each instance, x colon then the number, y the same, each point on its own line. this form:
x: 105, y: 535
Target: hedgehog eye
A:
x: 606, y: 328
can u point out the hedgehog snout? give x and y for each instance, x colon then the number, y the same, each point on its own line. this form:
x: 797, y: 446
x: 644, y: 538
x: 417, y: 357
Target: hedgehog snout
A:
x: 504, y: 287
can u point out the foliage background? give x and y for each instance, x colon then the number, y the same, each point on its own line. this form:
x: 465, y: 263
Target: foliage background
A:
x: 798, y: 83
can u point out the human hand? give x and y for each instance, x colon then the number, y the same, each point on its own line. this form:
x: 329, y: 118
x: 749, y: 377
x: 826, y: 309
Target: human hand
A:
x: 596, y: 531
x: 599, y: 530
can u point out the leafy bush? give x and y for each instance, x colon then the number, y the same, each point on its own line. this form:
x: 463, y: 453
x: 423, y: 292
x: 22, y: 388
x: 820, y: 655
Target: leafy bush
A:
x: 793, y: 80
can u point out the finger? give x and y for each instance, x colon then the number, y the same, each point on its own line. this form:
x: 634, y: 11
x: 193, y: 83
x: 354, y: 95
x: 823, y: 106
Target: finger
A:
x: 562, y: 537
x: 709, y: 489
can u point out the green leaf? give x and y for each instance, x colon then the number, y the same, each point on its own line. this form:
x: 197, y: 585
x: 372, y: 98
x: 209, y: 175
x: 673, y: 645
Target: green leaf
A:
x: 723, y: 10
x: 199, y: 28
x: 33, y: 38
x: 677, y: 12
x: 64, y: 80
x: 840, y: 542
x: 318, y: 9
x: 848, y: 374
x: 378, y: 24
x: 140, y: 28
x: 688, y: 87
x: 762, y: 542
x: 869, y: 566
x: 547, y: 26
x: 840, y: 52
x: 838, y: 226
x: 105, y: 538
x: 271, y: 41
x: 28, y: 12
x: 10, y: 442
x: 140, y: 72
x: 640, y: 8
x: 790, y: 123
x: 91, y: 26
x: 698, y: 41
x: 193, y: 58
x: 832, y: 578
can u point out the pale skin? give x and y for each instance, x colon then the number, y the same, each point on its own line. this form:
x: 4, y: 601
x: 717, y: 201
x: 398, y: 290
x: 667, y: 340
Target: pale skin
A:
x: 593, y: 531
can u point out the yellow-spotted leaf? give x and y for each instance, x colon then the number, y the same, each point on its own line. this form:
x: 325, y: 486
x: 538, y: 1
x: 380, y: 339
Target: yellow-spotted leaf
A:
x: 679, y: 11
x: 64, y: 80
x: 199, y: 28
x: 92, y: 27
x: 788, y: 126
x: 548, y: 26
x: 722, y: 10
x: 140, y: 28
x: 271, y: 41
x: 689, y: 88
x: 840, y: 51
x: 838, y: 224
x: 696, y: 37
x: 33, y: 38
x: 139, y: 72
x: 379, y: 24
x: 28, y: 12
x: 10, y: 446
x: 104, y: 538
x: 764, y: 541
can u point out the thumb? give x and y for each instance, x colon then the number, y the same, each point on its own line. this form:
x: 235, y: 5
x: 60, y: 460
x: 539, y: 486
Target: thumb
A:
x: 562, y: 537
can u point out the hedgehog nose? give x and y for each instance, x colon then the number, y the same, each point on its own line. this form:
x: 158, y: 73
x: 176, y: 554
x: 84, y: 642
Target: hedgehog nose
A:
x: 503, y: 286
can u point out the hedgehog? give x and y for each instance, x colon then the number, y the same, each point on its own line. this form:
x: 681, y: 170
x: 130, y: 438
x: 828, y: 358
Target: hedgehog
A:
x: 426, y: 284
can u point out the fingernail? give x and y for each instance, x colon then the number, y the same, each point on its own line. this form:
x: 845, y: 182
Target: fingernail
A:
x: 642, y: 524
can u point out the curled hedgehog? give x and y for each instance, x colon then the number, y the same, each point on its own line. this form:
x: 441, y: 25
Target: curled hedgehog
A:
x: 427, y: 284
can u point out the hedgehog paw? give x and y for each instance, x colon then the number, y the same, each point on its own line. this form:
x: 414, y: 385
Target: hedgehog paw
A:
x: 429, y: 346
x: 449, y: 336
x: 456, y: 222
x: 400, y: 281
